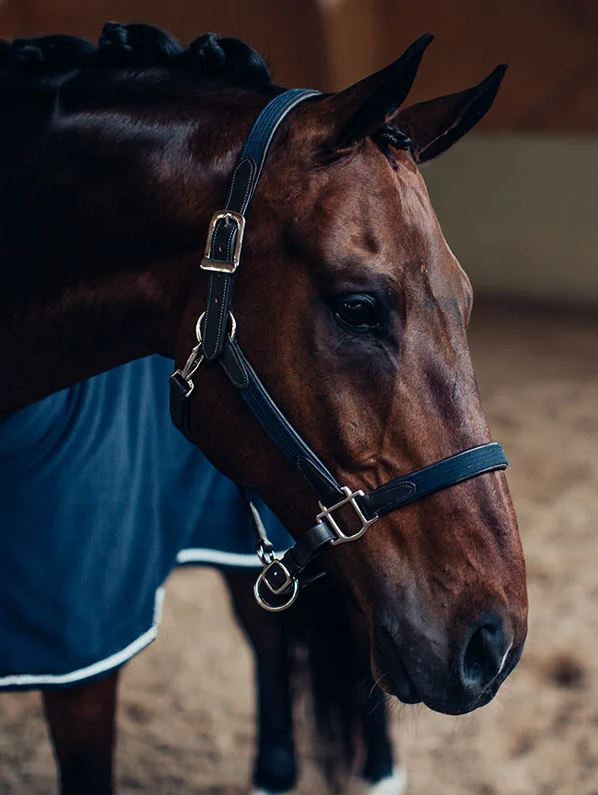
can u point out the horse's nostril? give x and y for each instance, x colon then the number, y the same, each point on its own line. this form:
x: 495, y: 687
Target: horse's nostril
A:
x: 484, y: 655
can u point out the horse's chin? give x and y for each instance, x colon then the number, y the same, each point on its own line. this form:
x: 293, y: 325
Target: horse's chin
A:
x: 395, y: 681
x: 401, y: 687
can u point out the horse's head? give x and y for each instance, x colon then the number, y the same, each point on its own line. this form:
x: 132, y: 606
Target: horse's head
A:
x: 353, y: 310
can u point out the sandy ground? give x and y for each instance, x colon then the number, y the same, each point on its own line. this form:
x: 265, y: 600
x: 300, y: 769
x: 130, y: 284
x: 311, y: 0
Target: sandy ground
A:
x: 186, y: 721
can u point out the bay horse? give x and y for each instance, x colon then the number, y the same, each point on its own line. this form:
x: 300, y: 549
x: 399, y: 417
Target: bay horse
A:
x: 350, y: 303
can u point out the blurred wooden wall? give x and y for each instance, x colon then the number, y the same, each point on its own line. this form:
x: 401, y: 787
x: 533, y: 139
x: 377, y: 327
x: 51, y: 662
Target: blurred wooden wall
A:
x: 551, y: 45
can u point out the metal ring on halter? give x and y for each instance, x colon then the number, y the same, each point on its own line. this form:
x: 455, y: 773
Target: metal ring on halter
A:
x: 233, y: 327
x: 275, y: 608
x: 196, y: 358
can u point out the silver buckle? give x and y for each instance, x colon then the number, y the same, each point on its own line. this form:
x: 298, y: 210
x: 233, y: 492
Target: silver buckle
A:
x: 224, y: 266
x: 288, y: 582
x: 327, y: 515
x: 277, y: 564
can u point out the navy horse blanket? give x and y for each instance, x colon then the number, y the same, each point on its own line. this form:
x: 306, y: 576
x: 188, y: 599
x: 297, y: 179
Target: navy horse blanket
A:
x: 100, y: 497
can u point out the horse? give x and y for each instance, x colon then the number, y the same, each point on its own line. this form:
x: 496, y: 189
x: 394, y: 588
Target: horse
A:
x: 350, y: 303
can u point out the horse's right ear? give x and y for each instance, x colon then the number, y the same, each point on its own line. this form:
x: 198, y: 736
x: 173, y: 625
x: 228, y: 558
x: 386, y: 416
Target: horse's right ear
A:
x: 363, y: 108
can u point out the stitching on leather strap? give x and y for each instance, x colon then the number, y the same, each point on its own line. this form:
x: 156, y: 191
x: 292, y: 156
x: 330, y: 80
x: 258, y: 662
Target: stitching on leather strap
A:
x: 223, y: 314
x: 239, y: 367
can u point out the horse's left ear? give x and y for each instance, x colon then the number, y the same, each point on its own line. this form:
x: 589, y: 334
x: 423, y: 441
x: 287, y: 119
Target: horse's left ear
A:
x: 435, y: 125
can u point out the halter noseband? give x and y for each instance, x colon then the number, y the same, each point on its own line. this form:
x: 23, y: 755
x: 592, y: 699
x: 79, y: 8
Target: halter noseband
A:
x: 277, y: 586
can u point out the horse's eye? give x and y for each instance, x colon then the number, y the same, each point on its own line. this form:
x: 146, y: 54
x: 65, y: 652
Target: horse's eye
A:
x: 357, y: 312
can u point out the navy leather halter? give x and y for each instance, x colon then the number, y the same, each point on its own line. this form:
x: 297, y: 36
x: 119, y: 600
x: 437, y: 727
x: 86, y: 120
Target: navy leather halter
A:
x: 344, y: 515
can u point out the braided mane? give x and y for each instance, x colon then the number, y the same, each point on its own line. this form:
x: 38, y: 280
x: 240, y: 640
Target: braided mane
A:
x: 136, y: 46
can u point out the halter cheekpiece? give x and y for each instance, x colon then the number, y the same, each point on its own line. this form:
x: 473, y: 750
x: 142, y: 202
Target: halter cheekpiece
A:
x: 278, y: 584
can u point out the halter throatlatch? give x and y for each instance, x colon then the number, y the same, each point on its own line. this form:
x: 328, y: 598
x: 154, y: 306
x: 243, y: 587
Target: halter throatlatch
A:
x: 344, y: 515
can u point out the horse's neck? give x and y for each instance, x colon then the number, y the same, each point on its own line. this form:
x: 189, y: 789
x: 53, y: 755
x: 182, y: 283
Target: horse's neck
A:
x: 89, y: 328
x: 97, y: 271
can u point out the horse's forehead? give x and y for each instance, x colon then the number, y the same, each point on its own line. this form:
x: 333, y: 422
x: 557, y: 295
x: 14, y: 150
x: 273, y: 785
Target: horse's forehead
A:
x: 364, y: 203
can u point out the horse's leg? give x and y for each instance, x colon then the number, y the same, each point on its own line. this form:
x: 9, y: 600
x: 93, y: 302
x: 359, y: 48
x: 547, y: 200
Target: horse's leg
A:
x: 382, y: 776
x: 275, y: 768
x: 82, y: 727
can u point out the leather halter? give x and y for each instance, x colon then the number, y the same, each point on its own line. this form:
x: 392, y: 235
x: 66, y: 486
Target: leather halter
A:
x: 277, y: 586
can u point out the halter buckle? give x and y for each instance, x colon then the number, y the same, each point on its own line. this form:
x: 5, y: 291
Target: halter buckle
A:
x: 218, y: 265
x: 277, y: 579
x: 350, y: 499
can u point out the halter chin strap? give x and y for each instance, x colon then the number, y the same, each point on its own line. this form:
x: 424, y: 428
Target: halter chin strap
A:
x: 344, y: 515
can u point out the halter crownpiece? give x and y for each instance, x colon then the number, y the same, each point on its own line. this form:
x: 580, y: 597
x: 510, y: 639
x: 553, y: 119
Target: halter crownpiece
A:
x: 278, y: 584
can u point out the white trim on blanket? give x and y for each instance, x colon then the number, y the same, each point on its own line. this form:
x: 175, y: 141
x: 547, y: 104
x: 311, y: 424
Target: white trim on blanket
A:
x: 193, y: 555
x: 96, y: 668
x: 218, y: 558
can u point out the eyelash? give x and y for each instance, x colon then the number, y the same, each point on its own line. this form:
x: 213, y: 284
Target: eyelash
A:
x: 369, y: 307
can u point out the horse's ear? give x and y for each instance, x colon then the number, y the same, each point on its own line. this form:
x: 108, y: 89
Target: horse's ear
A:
x: 364, y: 107
x: 435, y: 125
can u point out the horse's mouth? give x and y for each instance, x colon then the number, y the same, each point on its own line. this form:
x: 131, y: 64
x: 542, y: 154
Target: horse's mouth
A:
x: 402, y: 687
x: 395, y: 679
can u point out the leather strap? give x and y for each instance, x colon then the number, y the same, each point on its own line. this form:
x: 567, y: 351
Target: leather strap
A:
x: 245, y: 178
x: 442, y: 475
x: 279, y: 429
x: 299, y: 556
